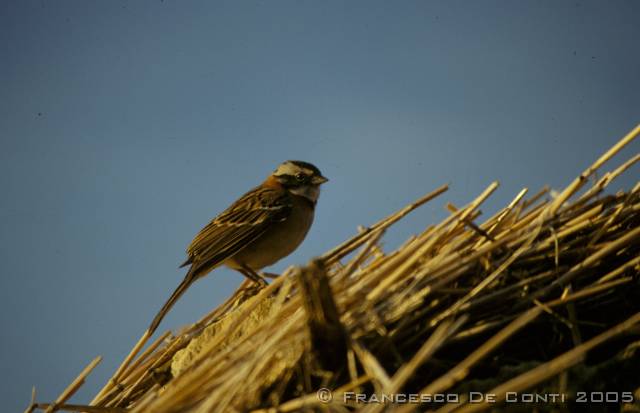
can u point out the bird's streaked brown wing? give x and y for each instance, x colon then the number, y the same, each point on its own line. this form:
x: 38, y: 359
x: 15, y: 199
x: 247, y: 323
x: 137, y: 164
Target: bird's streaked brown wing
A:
x: 223, y: 237
x: 240, y: 224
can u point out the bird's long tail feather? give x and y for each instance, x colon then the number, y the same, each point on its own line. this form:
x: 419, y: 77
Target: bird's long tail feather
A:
x: 186, y: 283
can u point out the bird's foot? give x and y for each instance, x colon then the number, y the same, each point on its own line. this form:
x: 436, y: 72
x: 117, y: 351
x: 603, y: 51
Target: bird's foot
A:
x: 257, y: 279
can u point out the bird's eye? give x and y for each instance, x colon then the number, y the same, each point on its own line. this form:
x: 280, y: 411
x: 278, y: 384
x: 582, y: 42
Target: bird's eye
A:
x: 300, y: 177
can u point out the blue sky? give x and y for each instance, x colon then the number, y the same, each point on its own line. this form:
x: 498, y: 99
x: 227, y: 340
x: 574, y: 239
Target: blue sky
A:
x: 126, y: 126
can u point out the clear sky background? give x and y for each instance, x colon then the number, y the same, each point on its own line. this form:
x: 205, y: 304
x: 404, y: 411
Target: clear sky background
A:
x: 126, y: 126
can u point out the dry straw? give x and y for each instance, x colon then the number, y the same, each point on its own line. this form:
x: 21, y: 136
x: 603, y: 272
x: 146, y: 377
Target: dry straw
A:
x: 540, y: 297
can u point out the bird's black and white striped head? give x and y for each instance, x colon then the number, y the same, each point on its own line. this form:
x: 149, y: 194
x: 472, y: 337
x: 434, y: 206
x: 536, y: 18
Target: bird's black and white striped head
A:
x: 300, y: 178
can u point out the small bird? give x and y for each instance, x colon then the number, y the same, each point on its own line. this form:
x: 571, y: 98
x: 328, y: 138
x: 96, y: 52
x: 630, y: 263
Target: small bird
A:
x: 263, y: 226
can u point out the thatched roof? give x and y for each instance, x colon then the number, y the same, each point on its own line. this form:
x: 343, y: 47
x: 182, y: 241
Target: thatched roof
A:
x: 543, y: 298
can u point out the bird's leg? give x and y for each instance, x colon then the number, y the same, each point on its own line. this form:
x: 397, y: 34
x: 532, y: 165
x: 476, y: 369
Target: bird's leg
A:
x: 269, y: 275
x: 253, y: 276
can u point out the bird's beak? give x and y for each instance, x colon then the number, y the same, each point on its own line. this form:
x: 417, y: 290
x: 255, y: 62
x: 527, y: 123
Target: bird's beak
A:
x: 318, y: 180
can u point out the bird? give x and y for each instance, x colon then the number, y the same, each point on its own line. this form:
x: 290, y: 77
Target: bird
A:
x: 263, y: 226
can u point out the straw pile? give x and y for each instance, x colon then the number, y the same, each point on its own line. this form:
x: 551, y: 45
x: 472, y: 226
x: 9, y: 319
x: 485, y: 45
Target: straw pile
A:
x: 541, y: 298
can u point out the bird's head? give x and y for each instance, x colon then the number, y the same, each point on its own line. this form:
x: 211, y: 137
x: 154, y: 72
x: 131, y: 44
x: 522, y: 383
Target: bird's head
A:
x: 300, y: 178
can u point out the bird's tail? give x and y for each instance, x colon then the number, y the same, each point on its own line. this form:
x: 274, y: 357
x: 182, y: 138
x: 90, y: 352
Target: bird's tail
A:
x: 188, y: 280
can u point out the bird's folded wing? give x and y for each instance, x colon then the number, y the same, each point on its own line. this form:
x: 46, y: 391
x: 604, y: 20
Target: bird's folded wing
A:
x: 241, y: 223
